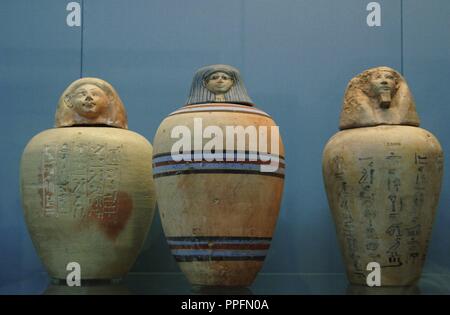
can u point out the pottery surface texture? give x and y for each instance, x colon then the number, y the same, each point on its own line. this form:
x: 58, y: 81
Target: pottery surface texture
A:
x: 218, y: 215
x: 382, y: 175
x: 87, y: 189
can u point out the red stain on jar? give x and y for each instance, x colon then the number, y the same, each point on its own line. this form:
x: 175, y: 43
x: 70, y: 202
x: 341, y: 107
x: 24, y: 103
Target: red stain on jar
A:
x: 113, y: 224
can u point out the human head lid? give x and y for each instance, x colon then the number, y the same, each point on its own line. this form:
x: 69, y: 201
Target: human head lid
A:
x: 378, y: 96
x: 90, y: 101
x: 200, y: 92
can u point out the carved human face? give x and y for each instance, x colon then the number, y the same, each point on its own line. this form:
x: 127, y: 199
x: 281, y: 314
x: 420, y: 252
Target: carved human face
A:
x: 89, y: 101
x: 219, y: 82
x: 382, y: 82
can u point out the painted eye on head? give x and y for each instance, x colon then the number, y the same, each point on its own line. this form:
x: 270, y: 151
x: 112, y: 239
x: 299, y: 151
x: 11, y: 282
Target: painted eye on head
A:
x: 217, y: 77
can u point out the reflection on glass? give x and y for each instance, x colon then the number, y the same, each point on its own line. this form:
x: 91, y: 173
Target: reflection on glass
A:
x: 394, y: 290
x: 88, y: 287
x: 220, y: 290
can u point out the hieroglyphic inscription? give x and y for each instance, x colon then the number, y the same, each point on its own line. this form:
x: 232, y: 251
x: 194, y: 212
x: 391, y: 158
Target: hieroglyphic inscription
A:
x: 394, y: 204
x: 414, y: 231
x: 49, y: 204
x: 62, y: 179
x: 348, y: 222
x: 80, y: 180
x: 111, y: 182
x: 366, y: 198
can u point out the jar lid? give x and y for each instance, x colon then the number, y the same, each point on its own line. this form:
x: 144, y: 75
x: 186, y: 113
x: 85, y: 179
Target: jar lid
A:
x: 90, y: 102
x: 378, y: 96
x: 218, y: 84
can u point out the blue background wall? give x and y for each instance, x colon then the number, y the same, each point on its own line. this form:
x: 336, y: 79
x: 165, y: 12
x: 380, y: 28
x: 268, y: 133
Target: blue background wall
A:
x: 296, y: 58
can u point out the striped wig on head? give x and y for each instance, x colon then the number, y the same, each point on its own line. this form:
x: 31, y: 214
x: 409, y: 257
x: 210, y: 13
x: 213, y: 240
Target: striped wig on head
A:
x: 199, y: 94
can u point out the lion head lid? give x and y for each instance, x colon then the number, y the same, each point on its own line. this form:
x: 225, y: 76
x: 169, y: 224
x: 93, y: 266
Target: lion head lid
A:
x: 218, y: 84
x: 378, y: 96
x: 90, y: 101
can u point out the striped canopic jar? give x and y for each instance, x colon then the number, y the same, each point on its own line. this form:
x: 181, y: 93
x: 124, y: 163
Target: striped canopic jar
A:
x: 219, y: 197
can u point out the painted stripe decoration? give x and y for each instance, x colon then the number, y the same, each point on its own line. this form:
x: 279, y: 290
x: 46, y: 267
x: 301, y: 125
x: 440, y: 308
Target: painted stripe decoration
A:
x: 220, y: 108
x: 232, y: 162
x: 188, y: 249
x: 163, y: 157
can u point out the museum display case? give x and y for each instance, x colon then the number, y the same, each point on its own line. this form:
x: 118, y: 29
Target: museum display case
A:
x: 296, y: 58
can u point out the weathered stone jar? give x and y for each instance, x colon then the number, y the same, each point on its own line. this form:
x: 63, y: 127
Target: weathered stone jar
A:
x: 86, y: 185
x: 218, y: 167
x: 382, y: 174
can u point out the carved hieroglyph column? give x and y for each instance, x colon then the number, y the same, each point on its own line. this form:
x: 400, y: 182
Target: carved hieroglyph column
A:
x: 382, y: 174
x: 86, y: 185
